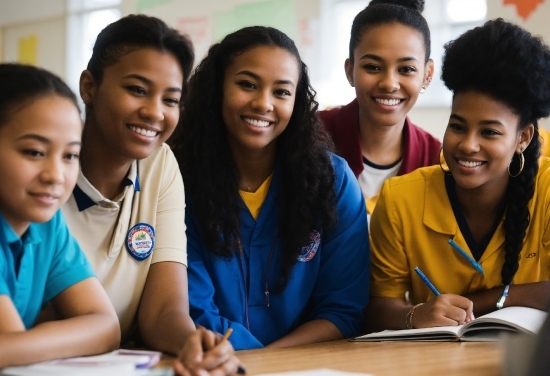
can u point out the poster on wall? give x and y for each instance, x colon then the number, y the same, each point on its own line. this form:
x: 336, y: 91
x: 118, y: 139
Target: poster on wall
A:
x: 275, y: 13
x: 524, y: 8
x: 141, y: 5
x: 27, y: 49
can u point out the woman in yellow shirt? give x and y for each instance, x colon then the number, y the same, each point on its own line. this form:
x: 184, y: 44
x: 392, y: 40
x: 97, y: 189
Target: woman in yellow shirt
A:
x: 478, y: 226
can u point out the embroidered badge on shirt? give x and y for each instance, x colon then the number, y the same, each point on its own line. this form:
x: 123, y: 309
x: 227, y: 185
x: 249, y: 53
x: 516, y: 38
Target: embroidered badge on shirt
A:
x: 140, y: 241
x: 309, y: 251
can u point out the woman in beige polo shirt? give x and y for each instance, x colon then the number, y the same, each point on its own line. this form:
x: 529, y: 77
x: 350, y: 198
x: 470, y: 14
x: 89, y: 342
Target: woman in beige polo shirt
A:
x: 127, y: 210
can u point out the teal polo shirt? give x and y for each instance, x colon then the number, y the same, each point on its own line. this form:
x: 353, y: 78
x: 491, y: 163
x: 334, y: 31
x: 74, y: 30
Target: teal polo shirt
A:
x: 49, y: 260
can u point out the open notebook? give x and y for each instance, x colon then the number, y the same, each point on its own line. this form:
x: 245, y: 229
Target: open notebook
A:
x: 483, y: 329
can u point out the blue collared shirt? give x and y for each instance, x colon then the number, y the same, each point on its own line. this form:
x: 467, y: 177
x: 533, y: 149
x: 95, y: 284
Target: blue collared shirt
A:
x: 49, y: 260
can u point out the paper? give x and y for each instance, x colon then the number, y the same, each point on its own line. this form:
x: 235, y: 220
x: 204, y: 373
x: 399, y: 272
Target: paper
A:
x: 146, y: 4
x: 524, y: 7
x: 27, y: 50
x: 316, y: 372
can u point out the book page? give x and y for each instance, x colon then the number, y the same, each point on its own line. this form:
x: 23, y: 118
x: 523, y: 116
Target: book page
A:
x: 440, y: 333
x: 514, y: 319
x: 316, y: 372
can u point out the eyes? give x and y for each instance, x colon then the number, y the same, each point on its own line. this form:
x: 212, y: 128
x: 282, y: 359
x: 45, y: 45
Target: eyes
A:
x: 38, y: 153
x: 375, y: 68
x: 251, y: 86
x: 139, y: 91
x: 485, y: 132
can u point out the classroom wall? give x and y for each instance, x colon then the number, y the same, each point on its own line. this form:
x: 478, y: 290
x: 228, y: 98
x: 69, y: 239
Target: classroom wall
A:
x: 20, y: 19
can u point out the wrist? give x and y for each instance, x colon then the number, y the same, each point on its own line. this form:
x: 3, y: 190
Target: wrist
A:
x: 502, y: 299
x: 410, y: 314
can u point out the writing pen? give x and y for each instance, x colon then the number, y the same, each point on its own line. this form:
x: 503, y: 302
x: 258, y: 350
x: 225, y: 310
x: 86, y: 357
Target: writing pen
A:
x: 240, y: 370
x: 474, y: 263
x: 426, y: 281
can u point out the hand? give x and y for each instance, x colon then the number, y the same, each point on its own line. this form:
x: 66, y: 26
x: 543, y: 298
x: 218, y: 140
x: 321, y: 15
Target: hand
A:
x: 444, y: 310
x: 204, y: 354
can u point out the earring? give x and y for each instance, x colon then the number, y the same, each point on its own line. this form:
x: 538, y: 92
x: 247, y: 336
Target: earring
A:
x: 350, y: 82
x: 521, y: 164
x: 423, y: 90
x: 442, y: 164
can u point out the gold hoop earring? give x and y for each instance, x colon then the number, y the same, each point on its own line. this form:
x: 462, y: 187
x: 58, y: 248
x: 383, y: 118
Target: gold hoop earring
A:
x: 521, y: 164
x: 442, y: 164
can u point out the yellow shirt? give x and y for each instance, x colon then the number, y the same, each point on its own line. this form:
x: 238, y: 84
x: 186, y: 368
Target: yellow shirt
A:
x: 412, y: 224
x: 255, y: 200
x: 545, y: 140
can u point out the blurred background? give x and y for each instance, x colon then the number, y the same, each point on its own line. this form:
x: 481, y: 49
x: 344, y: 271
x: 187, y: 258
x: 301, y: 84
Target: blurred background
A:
x: 58, y: 35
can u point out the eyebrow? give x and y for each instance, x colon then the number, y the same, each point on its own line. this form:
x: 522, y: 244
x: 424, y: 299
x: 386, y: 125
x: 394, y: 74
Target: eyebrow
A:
x: 483, y: 122
x: 43, y: 139
x: 378, y: 58
x: 257, y: 77
x: 150, y: 83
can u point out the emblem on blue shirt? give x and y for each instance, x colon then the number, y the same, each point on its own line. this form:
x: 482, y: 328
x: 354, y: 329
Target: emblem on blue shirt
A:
x: 140, y: 241
x: 309, y: 251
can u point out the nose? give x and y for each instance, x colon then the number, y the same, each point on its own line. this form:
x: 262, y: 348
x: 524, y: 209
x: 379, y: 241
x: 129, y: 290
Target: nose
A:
x: 152, y: 109
x: 262, y: 101
x: 53, y: 171
x: 389, y: 82
x: 469, y: 143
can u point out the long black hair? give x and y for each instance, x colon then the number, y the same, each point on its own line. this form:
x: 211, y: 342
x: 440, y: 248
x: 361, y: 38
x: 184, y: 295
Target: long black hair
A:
x: 308, y: 200
x: 507, y: 63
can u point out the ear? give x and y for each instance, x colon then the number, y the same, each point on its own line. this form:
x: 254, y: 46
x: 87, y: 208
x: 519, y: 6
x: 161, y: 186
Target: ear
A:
x: 525, y: 137
x: 87, y: 87
x: 348, y: 67
x: 429, y: 73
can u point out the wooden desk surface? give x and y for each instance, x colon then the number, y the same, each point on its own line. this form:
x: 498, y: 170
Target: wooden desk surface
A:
x: 380, y: 358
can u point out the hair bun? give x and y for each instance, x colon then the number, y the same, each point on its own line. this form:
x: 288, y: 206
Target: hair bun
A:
x: 414, y: 4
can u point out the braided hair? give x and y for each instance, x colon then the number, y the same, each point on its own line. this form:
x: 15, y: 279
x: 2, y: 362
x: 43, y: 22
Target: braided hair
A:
x: 510, y: 65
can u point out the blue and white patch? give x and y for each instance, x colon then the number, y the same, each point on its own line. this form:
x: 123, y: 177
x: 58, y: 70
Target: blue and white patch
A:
x: 309, y: 251
x: 140, y: 241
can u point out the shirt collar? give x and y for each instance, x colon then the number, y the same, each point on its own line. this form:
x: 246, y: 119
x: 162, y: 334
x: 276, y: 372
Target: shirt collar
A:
x: 86, y: 195
x: 30, y: 236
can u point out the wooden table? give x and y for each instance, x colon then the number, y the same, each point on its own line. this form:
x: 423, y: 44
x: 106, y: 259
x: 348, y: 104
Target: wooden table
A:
x: 380, y: 358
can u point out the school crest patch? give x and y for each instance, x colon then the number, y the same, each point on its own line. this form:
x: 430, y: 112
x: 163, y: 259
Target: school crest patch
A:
x: 309, y: 251
x: 140, y: 241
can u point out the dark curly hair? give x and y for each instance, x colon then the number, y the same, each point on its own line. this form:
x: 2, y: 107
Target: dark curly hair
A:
x: 382, y: 12
x: 135, y: 32
x: 211, y: 180
x: 507, y: 63
x: 22, y: 84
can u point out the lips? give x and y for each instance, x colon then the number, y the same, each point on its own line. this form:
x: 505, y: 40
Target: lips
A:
x: 470, y: 164
x: 388, y: 101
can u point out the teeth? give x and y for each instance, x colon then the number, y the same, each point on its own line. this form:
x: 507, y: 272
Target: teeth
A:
x: 143, y: 132
x: 470, y: 164
x: 257, y: 123
x: 388, y: 102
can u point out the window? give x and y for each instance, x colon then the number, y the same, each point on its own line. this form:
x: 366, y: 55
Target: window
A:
x: 85, y: 19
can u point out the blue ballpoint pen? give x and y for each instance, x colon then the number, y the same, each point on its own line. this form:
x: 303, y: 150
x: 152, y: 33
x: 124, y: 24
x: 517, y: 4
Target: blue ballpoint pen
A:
x: 426, y: 281
x: 475, y: 264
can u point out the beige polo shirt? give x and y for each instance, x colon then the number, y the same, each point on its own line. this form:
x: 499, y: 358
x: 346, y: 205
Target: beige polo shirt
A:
x: 154, y: 196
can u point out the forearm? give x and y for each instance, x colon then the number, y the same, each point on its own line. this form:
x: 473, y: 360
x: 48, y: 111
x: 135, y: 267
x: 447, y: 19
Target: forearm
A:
x: 386, y: 313
x: 312, y: 331
x: 168, y: 332
x: 77, y: 336
x: 534, y: 295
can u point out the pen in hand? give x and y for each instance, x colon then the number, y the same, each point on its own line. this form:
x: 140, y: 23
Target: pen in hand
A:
x: 240, y: 370
x: 426, y: 281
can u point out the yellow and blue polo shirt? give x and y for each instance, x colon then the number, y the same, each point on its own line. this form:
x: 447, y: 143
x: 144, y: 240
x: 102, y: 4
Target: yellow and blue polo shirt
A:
x: 412, y: 224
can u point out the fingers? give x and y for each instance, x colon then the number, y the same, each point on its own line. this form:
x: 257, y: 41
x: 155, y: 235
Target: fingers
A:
x: 444, y: 310
x: 216, y: 357
x: 229, y: 367
x: 209, y: 339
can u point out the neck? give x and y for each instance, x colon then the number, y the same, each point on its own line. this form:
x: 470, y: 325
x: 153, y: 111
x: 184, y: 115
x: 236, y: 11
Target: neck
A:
x: 481, y: 203
x: 254, y: 166
x: 382, y: 145
x: 104, y: 169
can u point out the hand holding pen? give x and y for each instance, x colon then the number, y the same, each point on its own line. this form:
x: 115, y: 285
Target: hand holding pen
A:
x: 444, y: 310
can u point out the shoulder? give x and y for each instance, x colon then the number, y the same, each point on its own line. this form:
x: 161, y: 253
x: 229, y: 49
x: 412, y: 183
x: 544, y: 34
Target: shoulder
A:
x: 421, y: 136
x: 160, y: 167
x: 543, y: 176
x: 159, y: 157
x: 339, y: 115
x: 404, y: 186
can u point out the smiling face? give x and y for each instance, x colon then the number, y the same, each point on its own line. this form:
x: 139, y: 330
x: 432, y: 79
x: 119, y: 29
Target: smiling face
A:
x: 39, y: 149
x: 259, y: 91
x: 480, y: 141
x: 388, y: 72
x: 136, y: 106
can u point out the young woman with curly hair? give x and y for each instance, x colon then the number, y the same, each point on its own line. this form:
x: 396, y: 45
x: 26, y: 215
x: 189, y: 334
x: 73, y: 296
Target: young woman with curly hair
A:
x: 276, y: 224
x: 389, y: 66
x: 478, y: 226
